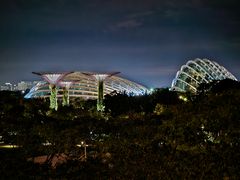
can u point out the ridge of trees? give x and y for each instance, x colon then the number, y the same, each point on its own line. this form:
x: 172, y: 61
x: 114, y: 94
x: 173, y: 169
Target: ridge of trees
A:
x: 155, y: 136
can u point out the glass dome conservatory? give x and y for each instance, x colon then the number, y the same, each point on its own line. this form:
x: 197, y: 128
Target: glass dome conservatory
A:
x: 86, y: 87
x: 198, y: 71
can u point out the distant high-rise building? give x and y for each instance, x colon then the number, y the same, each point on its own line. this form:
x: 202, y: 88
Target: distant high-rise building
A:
x: 6, y: 87
x: 14, y: 87
x: 23, y: 85
x: 20, y: 86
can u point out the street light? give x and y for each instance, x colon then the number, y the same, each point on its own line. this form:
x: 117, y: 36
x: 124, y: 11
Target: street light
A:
x: 83, y: 144
x: 85, y: 150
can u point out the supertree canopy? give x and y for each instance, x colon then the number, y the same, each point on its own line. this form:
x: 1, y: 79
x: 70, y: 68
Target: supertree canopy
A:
x: 198, y: 71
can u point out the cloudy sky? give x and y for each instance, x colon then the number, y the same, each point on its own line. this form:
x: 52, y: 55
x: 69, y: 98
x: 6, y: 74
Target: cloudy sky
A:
x: 146, y: 40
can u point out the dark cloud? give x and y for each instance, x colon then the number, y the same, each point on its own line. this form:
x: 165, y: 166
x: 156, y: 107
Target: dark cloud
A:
x: 146, y: 40
x: 127, y: 24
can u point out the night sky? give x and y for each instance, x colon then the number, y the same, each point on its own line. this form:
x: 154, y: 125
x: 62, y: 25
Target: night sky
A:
x: 146, y: 40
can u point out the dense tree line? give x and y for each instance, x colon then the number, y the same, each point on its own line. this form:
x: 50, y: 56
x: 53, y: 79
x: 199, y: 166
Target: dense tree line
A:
x: 155, y: 136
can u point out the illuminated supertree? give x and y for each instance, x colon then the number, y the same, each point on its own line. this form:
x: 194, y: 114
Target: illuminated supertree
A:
x: 65, y: 86
x: 52, y: 79
x: 100, y: 77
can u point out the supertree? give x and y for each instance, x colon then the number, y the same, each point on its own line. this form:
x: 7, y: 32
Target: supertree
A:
x: 65, y: 86
x: 53, y: 79
x: 100, y: 77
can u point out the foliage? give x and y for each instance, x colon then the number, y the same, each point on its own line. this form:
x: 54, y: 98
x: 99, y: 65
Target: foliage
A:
x: 65, y: 99
x: 53, y: 97
x: 156, y: 136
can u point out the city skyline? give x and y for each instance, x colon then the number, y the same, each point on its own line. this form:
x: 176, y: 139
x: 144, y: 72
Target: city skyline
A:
x: 147, y: 41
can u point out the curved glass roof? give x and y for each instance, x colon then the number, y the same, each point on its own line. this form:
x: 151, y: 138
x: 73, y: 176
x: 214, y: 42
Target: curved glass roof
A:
x: 86, y: 87
x: 198, y: 71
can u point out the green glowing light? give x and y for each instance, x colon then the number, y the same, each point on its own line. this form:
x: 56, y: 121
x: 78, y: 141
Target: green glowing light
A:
x: 100, y: 105
x: 65, y: 97
x: 53, y: 97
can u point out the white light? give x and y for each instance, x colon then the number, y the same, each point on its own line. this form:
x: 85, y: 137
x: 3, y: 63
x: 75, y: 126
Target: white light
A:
x: 9, y: 146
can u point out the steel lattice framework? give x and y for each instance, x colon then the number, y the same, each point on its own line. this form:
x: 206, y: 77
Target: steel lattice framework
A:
x: 198, y: 71
x: 86, y: 87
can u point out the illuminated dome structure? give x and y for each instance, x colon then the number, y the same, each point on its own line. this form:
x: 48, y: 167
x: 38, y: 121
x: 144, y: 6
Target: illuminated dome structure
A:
x: 196, y: 72
x: 86, y: 87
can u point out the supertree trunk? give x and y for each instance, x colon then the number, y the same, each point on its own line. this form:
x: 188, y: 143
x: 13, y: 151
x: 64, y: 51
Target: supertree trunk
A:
x: 65, y: 101
x: 100, y: 105
x: 53, y: 97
